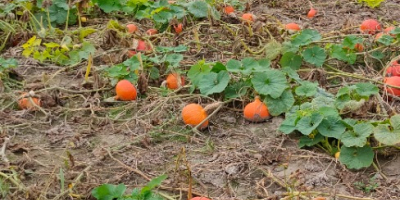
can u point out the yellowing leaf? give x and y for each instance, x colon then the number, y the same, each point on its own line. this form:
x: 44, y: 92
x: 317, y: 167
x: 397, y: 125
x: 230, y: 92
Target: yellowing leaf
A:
x: 51, y: 45
x: 372, y: 3
x: 89, y: 66
x: 85, y: 32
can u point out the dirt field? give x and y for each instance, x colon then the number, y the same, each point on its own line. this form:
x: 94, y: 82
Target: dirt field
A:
x: 93, y: 141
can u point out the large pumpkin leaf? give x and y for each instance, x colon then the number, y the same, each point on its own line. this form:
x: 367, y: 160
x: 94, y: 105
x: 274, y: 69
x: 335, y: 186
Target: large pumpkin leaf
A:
x: 314, y: 55
x: 306, y: 37
x: 307, y: 89
x: 214, y: 83
x: 277, y: 106
x: 358, y: 136
x: 271, y: 82
x: 388, y: 136
x: 310, y: 141
x: 198, y: 8
x: 356, y: 157
x: 292, y: 60
x: 289, y: 124
x: 331, y: 127
x: 308, y: 123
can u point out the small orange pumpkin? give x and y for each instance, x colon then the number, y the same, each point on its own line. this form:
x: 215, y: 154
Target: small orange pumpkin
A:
x: 125, y: 90
x: 229, y: 9
x: 172, y: 81
x: 25, y: 103
x: 193, y: 114
x: 151, y: 31
x: 392, y: 81
x: 370, y: 26
x: 256, y: 111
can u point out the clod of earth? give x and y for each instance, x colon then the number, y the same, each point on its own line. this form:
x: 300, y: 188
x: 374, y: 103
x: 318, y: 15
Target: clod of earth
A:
x: 125, y: 90
x: 193, y: 114
x: 256, y: 111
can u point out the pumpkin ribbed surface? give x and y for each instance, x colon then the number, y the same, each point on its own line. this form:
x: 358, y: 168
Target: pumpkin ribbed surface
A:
x: 256, y: 111
x: 172, y: 81
x: 193, y: 114
x: 125, y: 90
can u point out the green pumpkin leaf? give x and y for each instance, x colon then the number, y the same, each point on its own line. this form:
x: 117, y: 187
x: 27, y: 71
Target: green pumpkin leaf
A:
x: 331, y: 127
x: 309, y: 142
x: 356, y: 157
x: 386, y: 40
x: 314, y: 55
x: 343, y: 54
x: 350, y: 41
x: 307, y: 89
x: 109, y: 192
x: 289, y: 124
x: 271, y: 82
x: 388, y: 136
x: 309, y: 123
x: 358, y: 136
x: 283, y: 103
x: 292, y: 60
x: 198, y: 8
x: 237, y: 89
x: 214, y: 83
x: 306, y: 37
x: 366, y: 89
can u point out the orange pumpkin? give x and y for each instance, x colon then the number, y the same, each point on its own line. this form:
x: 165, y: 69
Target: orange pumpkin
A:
x: 229, y: 9
x: 256, y: 111
x: 25, y: 103
x: 392, y: 81
x: 248, y: 17
x: 125, y: 90
x: 370, y: 26
x: 393, y: 69
x: 311, y: 13
x: 292, y: 27
x: 131, y: 28
x: 193, y: 114
x: 200, y: 198
x: 172, y: 81
x: 152, y: 31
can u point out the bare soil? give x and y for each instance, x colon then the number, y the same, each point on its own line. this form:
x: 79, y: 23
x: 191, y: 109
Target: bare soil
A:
x: 93, y: 141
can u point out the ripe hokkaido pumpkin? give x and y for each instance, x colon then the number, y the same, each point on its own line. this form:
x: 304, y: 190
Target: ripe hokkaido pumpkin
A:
x: 392, y: 81
x: 370, y: 26
x: 193, y: 114
x: 25, y: 103
x: 173, y: 83
x: 125, y: 90
x: 393, y: 69
x: 256, y: 111
x: 200, y: 198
